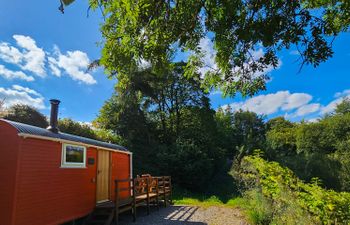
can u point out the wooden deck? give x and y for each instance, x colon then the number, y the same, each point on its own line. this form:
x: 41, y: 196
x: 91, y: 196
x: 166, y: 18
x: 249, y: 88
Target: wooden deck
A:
x: 129, y: 195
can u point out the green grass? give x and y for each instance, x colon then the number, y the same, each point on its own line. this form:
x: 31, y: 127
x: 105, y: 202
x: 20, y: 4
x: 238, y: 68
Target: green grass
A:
x: 185, y: 197
x: 211, y: 201
x: 221, y: 191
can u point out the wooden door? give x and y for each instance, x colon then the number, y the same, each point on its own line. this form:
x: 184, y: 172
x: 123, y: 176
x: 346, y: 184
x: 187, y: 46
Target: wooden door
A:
x: 103, y: 175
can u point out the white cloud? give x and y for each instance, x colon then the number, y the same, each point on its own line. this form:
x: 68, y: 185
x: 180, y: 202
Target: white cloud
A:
x: 296, y: 100
x: 295, y: 105
x: 331, y: 106
x: 313, y: 120
x: 9, y: 53
x: 53, y: 66
x: 29, y: 57
x: 74, y: 63
x: 9, y: 74
x: 207, y: 47
x: 21, y: 95
x: 33, y: 56
x: 25, y: 89
x: 307, y: 109
x: 342, y: 93
x: 272, y: 103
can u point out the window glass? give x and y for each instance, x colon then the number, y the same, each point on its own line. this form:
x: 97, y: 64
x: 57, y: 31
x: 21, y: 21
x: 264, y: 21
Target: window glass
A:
x: 73, y: 156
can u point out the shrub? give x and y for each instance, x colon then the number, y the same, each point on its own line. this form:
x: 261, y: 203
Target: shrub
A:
x: 291, y: 200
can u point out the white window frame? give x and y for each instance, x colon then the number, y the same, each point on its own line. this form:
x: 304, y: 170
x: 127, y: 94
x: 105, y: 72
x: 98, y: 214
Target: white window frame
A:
x: 65, y: 164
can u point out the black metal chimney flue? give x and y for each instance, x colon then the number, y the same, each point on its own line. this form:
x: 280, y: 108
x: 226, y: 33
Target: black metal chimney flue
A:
x: 54, y: 116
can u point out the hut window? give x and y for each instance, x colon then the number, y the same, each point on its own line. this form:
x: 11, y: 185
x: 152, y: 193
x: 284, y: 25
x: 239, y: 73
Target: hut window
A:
x: 73, y: 156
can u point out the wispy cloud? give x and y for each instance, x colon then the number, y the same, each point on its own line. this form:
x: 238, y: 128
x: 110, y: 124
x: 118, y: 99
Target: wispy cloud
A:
x: 291, y: 105
x: 10, y: 75
x: 30, y: 57
x: 307, y: 109
x: 272, y: 103
x: 74, y: 63
x: 339, y: 97
x: 21, y: 95
x: 10, y: 54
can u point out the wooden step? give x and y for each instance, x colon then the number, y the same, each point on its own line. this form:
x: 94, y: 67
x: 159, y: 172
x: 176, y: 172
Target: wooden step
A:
x: 108, y: 204
x: 100, y: 217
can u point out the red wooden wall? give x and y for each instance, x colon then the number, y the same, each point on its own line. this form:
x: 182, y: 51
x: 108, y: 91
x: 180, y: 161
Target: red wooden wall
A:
x: 120, y: 170
x: 48, y: 194
x: 9, y: 142
x: 34, y: 189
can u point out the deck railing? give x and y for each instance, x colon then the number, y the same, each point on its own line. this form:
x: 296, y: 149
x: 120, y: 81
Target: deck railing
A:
x: 144, y: 190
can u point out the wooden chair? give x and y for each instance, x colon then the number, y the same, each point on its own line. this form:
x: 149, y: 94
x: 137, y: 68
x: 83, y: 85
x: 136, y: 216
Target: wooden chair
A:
x: 146, y: 191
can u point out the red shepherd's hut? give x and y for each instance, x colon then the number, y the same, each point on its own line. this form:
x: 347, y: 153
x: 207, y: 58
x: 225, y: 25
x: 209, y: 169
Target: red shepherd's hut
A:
x: 49, y: 177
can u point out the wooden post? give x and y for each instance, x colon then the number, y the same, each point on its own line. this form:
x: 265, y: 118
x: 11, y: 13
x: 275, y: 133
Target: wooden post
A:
x: 116, y: 202
x: 171, y: 192
x: 148, y: 200
x: 157, y: 192
x: 134, y: 199
x: 164, y: 190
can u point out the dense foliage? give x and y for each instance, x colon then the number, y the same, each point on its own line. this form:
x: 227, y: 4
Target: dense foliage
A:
x: 288, y: 200
x: 246, y: 36
x: 70, y: 126
x: 29, y: 115
x: 168, y: 123
x: 319, y: 149
x: 25, y: 114
x: 67, y: 125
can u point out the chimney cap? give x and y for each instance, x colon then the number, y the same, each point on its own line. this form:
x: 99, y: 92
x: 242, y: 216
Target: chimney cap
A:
x: 55, y: 101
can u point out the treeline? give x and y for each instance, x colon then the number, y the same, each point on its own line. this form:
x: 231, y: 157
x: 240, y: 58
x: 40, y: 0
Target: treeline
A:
x: 29, y: 115
x: 319, y: 149
x: 168, y: 123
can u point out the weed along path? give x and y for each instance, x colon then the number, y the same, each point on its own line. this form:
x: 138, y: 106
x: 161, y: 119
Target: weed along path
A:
x: 188, y: 215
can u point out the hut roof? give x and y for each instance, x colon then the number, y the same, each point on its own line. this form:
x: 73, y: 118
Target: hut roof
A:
x: 37, y: 131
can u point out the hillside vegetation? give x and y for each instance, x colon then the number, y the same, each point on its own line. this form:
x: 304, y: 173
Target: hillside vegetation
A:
x: 274, y: 195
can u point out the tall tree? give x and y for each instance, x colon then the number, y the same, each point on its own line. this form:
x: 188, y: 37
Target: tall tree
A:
x: 343, y: 107
x: 280, y: 138
x: 166, y: 94
x: 226, y: 131
x: 249, y: 131
x: 167, y: 121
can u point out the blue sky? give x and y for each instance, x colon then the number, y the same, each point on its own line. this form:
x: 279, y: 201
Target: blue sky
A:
x: 43, y: 55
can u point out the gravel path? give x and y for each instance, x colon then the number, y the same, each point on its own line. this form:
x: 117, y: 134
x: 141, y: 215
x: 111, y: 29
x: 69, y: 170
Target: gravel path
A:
x: 186, y: 215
